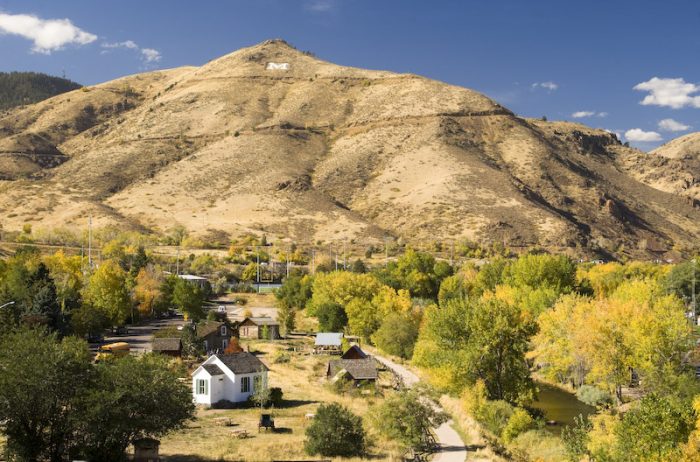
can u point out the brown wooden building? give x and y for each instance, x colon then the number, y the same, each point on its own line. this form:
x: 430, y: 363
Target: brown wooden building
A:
x: 256, y: 327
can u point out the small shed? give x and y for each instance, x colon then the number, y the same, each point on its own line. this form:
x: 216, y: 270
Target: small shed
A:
x: 255, y: 327
x: 329, y: 342
x: 146, y: 450
x: 170, y: 346
x: 354, y: 352
x: 358, y: 370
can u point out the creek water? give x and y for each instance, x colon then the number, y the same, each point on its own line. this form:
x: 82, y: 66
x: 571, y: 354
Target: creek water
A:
x: 560, y: 406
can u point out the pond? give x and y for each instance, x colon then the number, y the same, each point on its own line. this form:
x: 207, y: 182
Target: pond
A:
x: 560, y: 406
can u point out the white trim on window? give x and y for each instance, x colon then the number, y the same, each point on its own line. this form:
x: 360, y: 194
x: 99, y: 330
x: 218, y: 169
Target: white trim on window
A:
x: 202, y: 387
x: 245, y: 384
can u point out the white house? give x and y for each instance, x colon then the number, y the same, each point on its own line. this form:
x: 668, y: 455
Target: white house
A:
x: 232, y: 377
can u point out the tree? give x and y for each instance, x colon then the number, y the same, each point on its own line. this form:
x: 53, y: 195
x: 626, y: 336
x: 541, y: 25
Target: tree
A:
x: 67, y: 273
x: 107, y: 291
x: 148, y: 291
x: 41, y: 380
x: 44, y: 307
x: 406, y: 418
x: 468, y: 340
x: 554, y: 271
x: 335, y: 432
x: 250, y: 272
x: 331, y: 317
x: 398, y: 334
x: 654, y: 430
x: 188, y: 298
x: 134, y: 397
x: 576, y: 438
x: 295, y: 292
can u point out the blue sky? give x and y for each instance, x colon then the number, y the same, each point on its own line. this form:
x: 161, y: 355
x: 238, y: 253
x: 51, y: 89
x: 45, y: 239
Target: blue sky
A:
x: 538, y: 57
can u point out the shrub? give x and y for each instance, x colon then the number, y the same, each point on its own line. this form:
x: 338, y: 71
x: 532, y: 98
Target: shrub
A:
x: 276, y: 396
x: 594, y: 396
x: 493, y: 415
x: 335, y: 431
x: 281, y: 357
x: 519, y: 422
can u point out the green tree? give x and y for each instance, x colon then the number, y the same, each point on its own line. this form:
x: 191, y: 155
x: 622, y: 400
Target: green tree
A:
x: 41, y: 380
x: 134, y: 397
x: 331, y: 317
x: 335, y: 432
x: 655, y: 430
x: 406, y: 418
x: 576, y: 438
x: 398, y: 334
x: 468, y: 340
x: 188, y: 298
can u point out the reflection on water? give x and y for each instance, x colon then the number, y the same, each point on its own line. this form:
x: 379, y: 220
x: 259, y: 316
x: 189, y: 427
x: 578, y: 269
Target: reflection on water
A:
x: 560, y: 406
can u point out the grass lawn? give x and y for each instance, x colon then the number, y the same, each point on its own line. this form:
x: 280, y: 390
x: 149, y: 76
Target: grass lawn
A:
x: 302, y: 380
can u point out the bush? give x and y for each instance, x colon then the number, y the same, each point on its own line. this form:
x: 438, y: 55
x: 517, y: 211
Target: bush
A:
x: 281, y: 357
x: 518, y: 423
x: 276, y: 396
x: 594, y: 396
x: 335, y: 431
x: 493, y: 415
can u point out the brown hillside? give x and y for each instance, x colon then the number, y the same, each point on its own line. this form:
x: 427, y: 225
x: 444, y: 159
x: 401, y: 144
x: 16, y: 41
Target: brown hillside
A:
x: 325, y: 152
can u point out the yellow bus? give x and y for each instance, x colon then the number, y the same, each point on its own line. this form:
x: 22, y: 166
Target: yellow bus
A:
x: 113, y: 350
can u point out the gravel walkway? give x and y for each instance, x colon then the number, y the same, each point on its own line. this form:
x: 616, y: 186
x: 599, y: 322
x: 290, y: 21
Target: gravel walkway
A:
x: 451, y: 446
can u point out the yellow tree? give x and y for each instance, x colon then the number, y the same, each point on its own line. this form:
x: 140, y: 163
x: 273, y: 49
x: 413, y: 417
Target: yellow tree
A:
x: 147, y: 291
x: 67, y: 273
x: 107, y: 292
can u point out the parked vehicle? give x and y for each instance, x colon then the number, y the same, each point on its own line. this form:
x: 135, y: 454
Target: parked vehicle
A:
x: 112, y: 350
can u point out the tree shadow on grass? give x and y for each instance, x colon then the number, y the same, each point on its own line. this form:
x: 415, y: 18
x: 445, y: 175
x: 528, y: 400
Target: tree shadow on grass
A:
x: 290, y: 403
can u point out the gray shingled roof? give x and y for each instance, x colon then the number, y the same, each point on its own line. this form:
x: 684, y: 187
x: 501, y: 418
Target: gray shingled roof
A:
x: 242, y: 363
x: 166, y: 344
x: 207, y: 327
x: 358, y: 369
x: 213, y: 369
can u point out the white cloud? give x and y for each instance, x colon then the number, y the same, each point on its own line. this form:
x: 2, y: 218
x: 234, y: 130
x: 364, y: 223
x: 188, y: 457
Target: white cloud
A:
x: 130, y: 44
x: 640, y: 136
x: 673, y: 93
x: 582, y: 114
x: 150, y: 55
x: 47, y: 34
x: 320, y: 6
x: 551, y: 86
x: 670, y: 125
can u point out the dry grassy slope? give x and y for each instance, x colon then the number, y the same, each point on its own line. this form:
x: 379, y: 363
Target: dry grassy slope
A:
x: 673, y: 167
x: 321, y: 151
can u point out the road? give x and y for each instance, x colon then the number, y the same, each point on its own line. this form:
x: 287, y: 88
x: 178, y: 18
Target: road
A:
x: 451, y: 446
x: 140, y: 337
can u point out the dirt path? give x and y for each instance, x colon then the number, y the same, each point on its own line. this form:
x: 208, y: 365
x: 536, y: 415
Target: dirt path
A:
x: 451, y: 446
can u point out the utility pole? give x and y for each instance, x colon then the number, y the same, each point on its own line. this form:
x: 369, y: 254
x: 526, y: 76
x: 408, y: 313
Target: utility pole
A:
x: 177, y: 264
x: 90, y: 242
x: 695, y: 312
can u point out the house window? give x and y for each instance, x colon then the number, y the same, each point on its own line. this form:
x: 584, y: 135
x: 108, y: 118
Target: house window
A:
x: 224, y: 343
x: 245, y: 384
x: 202, y: 387
x: 223, y: 331
x: 206, y: 346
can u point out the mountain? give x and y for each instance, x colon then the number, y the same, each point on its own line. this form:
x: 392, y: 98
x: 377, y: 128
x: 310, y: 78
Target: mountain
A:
x: 19, y: 88
x: 673, y: 167
x: 271, y: 139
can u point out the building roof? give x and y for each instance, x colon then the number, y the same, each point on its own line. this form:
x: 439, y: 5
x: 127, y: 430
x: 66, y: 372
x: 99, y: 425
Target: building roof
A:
x: 191, y: 277
x: 329, y: 339
x: 354, y: 352
x: 213, y: 369
x: 167, y: 344
x: 358, y: 369
x: 261, y: 321
x: 242, y: 363
x: 208, y: 327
